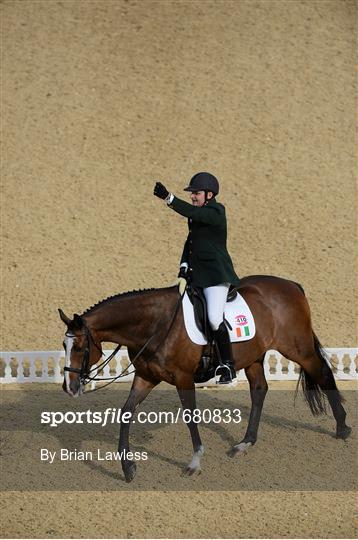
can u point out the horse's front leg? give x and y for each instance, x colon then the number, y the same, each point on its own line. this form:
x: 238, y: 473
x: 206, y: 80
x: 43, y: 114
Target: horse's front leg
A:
x: 186, y: 391
x: 139, y: 391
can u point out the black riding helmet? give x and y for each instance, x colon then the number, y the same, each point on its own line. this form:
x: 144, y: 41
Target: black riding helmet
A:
x: 203, y: 181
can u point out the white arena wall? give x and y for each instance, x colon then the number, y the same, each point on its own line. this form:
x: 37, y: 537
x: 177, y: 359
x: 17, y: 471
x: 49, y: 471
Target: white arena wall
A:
x: 47, y: 366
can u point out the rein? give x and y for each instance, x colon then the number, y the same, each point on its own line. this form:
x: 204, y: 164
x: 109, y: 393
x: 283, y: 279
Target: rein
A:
x: 84, y: 371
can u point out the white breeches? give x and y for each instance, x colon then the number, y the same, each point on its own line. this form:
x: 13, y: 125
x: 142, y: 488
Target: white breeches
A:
x: 215, y: 300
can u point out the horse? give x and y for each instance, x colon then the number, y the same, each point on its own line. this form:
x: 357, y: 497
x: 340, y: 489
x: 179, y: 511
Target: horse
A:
x: 151, y: 324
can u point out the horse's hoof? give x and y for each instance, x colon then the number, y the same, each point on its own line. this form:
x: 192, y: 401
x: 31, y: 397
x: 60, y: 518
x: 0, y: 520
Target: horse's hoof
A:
x: 191, y: 471
x: 130, y: 472
x: 240, y: 449
x: 344, y: 432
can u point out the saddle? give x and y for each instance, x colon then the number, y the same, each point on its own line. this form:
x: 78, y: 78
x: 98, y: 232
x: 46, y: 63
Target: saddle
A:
x: 209, y: 359
x: 197, y: 298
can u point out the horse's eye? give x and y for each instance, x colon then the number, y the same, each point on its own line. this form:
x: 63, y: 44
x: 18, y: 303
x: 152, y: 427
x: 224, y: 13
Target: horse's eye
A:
x: 76, y: 348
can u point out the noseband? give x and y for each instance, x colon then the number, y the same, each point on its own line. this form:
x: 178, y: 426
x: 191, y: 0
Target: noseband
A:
x: 83, y: 371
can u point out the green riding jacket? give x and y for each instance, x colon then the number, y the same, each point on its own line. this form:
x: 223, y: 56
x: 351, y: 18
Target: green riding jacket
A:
x: 205, y: 248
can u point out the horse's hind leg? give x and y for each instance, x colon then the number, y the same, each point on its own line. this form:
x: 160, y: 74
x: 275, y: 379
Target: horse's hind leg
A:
x: 139, y: 391
x: 335, y: 400
x: 317, y: 377
x: 258, y: 389
x: 186, y: 391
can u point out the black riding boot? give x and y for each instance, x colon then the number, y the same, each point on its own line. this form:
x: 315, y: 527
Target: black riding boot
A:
x: 222, y: 340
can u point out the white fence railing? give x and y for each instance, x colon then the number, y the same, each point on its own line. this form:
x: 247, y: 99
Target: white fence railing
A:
x: 47, y: 366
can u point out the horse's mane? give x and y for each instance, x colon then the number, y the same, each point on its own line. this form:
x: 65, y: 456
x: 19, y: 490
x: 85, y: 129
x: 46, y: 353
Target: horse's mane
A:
x: 115, y: 297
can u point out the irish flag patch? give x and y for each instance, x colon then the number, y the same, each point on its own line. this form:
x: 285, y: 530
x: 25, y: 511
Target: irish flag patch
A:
x: 242, y: 326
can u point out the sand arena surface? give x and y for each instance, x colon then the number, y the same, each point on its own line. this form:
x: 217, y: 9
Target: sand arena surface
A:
x: 281, y: 487
x: 100, y: 99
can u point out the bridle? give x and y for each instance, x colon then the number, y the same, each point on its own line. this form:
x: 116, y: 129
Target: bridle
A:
x: 84, y: 371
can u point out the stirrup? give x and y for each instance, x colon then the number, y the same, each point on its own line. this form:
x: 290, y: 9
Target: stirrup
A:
x: 219, y: 367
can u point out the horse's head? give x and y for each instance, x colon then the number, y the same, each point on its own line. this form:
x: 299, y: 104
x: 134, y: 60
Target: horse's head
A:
x: 82, y: 352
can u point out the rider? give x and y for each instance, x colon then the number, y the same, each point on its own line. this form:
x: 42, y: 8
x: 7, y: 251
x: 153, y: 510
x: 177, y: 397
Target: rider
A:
x: 206, y: 262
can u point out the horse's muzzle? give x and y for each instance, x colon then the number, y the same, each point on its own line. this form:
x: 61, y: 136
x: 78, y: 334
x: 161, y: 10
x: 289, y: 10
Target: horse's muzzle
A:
x: 73, y: 388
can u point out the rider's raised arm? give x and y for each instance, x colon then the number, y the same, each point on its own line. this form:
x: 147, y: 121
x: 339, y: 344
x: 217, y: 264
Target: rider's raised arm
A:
x: 212, y: 213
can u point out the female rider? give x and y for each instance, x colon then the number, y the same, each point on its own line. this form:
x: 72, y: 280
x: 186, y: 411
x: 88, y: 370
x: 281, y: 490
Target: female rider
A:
x: 205, y: 261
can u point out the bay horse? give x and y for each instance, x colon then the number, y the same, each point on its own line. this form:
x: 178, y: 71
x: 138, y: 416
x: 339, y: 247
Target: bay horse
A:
x: 151, y: 324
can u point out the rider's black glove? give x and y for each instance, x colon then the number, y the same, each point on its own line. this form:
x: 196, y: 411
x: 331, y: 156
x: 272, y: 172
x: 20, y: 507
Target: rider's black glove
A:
x: 160, y: 191
x: 183, y: 272
x: 183, y: 279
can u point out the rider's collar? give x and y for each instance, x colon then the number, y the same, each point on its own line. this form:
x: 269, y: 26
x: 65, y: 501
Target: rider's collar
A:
x: 209, y: 201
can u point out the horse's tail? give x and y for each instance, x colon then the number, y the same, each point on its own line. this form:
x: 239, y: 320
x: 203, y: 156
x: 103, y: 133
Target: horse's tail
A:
x: 313, y: 393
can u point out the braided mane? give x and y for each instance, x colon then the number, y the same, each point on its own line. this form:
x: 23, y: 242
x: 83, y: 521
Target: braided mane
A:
x: 102, y: 303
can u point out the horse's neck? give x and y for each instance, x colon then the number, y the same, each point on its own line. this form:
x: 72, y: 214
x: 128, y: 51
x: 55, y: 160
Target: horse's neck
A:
x: 127, y: 320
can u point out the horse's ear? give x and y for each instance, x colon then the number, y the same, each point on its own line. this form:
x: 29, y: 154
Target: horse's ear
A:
x: 78, y: 322
x: 64, y: 317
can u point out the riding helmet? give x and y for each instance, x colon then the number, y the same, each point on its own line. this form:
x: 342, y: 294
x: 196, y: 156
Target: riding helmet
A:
x: 203, y: 181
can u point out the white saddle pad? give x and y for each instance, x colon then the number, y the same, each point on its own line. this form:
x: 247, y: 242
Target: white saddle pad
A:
x: 237, y: 313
